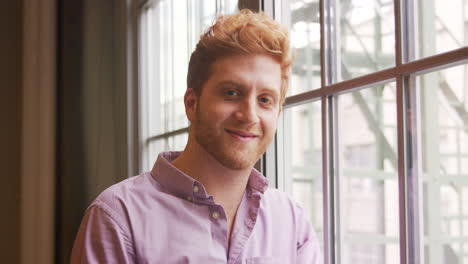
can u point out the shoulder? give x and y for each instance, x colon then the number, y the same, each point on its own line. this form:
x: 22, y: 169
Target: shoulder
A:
x: 277, y: 195
x: 292, y: 215
x: 105, y: 234
x: 279, y: 206
x: 119, y: 190
x: 117, y: 199
x: 280, y: 200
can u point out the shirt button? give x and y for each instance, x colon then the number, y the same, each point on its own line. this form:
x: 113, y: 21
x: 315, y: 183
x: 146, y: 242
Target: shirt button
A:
x: 215, y: 215
x: 196, y: 189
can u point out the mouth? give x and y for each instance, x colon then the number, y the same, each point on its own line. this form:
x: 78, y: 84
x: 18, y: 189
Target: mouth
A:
x: 241, y: 135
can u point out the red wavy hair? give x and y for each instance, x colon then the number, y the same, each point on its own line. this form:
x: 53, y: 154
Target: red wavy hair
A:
x: 243, y: 33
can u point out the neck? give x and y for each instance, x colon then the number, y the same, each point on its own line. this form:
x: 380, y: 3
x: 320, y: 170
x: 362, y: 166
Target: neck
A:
x: 227, y: 186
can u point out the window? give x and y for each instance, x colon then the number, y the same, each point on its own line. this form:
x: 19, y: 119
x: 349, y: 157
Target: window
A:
x: 375, y: 128
x: 373, y: 139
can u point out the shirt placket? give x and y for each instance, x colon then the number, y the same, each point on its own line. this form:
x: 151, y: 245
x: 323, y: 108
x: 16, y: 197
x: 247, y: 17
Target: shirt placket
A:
x: 245, y: 222
x: 216, y: 215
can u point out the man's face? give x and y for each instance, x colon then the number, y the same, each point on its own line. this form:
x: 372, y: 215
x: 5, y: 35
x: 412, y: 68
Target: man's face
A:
x: 234, y: 119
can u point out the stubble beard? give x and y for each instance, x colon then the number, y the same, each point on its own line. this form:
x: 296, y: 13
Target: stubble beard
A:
x: 232, y: 155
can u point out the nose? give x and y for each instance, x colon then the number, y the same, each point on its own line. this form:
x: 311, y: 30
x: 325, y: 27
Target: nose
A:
x: 247, y: 111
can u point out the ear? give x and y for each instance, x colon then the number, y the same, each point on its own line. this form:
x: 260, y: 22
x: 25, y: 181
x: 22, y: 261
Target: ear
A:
x: 190, y: 101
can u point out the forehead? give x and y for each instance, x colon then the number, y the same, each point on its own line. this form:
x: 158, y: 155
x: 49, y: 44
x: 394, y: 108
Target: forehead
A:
x: 249, y: 70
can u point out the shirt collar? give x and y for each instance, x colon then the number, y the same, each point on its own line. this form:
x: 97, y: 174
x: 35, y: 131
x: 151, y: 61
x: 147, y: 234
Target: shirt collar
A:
x: 182, y: 185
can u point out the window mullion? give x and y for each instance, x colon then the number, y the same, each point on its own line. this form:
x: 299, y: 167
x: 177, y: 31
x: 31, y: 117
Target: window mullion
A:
x: 143, y: 87
x: 400, y: 49
x: 415, y: 246
x: 328, y: 182
x: 173, y: 71
x: 329, y: 74
x: 402, y: 190
x: 327, y: 186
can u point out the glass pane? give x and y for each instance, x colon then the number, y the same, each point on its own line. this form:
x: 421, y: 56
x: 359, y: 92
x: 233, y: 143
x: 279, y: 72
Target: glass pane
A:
x: 174, y: 143
x: 442, y: 27
x: 229, y: 6
x: 444, y: 134
x: 366, y: 40
x: 202, y: 14
x: 367, y: 187
x: 178, y: 142
x: 168, y: 59
x: 305, y: 39
x: 154, y: 148
x: 303, y: 160
x: 152, y: 73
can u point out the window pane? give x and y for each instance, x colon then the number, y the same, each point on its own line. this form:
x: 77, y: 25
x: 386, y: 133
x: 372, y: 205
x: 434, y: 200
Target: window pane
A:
x: 168, y: 59
x: 366, y: 40
x: 305, y: 39
x: 229, y: 6
x: 303, y: 160
x: 367, y: 187
x: 178, y: 142
x: 444, y: 131
x: 156, y: 146
x: 202, y: 14
x: 441, y: 26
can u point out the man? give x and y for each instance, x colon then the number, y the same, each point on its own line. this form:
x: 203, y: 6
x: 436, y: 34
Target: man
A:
x: 207, y: 204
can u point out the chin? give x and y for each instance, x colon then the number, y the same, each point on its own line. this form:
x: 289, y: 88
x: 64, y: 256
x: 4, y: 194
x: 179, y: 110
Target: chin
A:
x: 235, y: 164
x: 238, y: 160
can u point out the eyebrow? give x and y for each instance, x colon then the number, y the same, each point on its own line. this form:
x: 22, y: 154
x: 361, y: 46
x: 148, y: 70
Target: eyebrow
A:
x: 230, y: 82
x: 239, y: 85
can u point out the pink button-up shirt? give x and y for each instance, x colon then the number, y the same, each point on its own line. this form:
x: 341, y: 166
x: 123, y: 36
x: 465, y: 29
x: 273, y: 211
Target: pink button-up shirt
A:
x: 165, y: 216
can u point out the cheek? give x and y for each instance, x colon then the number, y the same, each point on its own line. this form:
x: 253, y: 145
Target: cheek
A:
x: 270, y: 123
x: 216, y: 113
x: 223, y: 110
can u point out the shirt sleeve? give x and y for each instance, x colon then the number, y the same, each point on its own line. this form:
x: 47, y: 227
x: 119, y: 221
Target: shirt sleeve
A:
x: 101, y: 239
x: 308, y: 248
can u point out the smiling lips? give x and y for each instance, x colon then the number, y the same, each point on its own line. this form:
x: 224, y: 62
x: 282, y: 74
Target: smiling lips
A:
x: 241, y: 135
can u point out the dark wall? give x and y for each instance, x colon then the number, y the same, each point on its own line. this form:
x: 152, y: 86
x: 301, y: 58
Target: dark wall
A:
x: 91, y: 102
x: 92, y: 110
x: 71, y: 191
x: 10, y: 128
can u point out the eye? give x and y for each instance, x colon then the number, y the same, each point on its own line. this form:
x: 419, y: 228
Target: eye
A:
x: 265, y: 100
x: 232, y: 93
